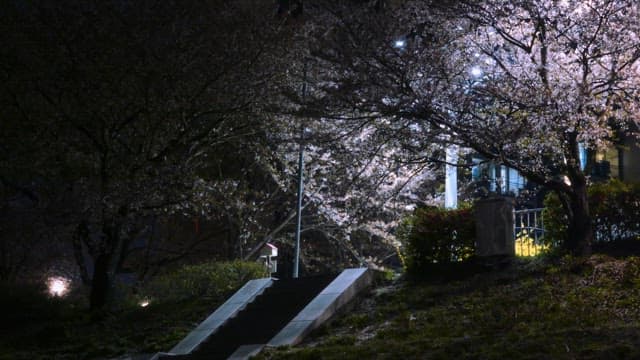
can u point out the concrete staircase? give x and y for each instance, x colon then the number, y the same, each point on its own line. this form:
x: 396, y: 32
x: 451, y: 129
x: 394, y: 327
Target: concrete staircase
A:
x: 263, y: 318
x: 268, y: 312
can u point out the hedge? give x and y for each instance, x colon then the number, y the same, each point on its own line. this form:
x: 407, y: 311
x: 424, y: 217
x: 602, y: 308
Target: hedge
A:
x: 436, y: 236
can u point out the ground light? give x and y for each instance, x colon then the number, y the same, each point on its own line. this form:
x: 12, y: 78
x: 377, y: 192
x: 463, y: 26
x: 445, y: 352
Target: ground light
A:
x: 58, y: 286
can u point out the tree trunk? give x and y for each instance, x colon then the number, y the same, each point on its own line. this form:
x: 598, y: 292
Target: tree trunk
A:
x: 107, y: 262
x: 80, y: 237
x: 580, y: 229
x: 100, y: 283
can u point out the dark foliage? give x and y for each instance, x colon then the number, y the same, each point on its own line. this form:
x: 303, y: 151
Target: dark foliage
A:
x: 615, y: 206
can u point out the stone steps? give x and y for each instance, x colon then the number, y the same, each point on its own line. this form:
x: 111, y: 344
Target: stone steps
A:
x: 269, y: 312
x: 263, y: 318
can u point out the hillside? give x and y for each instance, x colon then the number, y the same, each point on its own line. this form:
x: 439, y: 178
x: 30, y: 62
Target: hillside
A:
x: 537, y: 308
x: 565, y: 308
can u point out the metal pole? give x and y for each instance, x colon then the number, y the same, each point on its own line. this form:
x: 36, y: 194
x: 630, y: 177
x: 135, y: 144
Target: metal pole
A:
x: 296, y: 260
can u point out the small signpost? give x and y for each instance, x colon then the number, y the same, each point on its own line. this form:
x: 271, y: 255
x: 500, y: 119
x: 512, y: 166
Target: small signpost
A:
x: 268, y: 255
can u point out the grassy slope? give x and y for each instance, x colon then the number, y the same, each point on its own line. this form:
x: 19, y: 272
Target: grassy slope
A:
x: 36, y: 326
x: 57, y: 330
x: 565, y: 309
x: 536, y: 309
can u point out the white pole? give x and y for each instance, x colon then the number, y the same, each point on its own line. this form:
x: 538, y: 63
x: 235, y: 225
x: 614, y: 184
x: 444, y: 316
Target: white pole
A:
x: 451, y: 178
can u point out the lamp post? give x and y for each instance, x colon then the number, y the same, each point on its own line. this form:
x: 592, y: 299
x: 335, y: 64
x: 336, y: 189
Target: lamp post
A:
x: 296, y: 257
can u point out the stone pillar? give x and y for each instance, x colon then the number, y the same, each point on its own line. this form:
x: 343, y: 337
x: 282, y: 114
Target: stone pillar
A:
x: 494, y: 227
x: 451, y: 178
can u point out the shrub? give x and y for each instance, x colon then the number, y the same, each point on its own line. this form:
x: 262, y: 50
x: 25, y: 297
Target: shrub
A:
x: 555, y: 220
x: 214, y: 280
x: 436, y: 236
x: 22, y: 303
x: 614, y: 206
x: 616, y: 210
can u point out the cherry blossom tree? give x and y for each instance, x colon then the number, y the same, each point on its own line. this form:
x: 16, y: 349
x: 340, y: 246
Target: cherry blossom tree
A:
x: 523, y: 83
x: 358, y: 177
x: 530, y: 82
x: 357, y: 181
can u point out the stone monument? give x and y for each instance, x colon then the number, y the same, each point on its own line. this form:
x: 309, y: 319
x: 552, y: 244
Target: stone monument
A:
x: 494, y: 227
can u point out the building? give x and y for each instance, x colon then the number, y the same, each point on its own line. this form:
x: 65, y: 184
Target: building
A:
x: 621, y: 161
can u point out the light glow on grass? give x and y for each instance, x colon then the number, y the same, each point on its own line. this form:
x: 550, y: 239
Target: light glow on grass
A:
x: 144, y: 303
x: 526, y: 246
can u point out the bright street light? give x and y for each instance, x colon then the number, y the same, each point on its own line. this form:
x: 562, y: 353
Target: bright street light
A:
x: 476, y: 71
